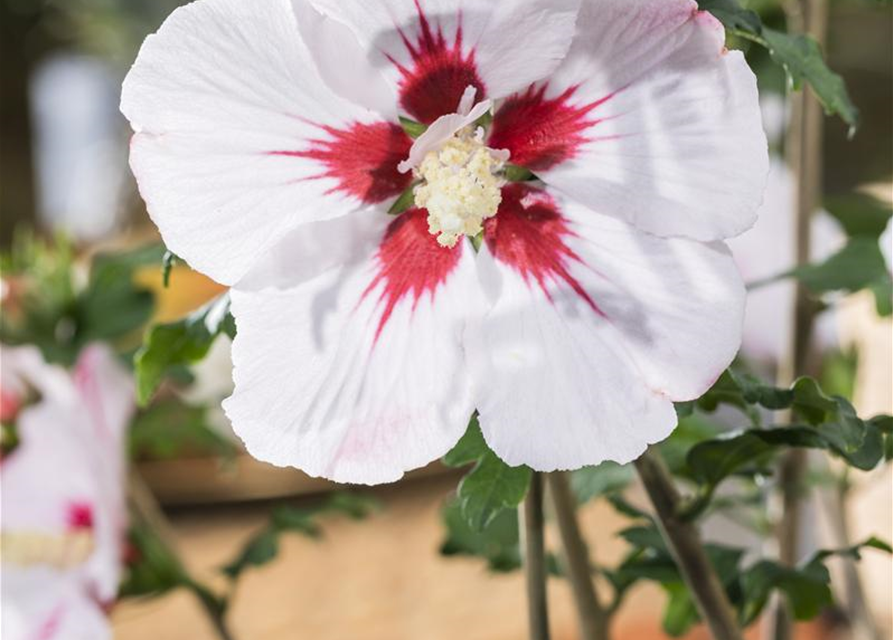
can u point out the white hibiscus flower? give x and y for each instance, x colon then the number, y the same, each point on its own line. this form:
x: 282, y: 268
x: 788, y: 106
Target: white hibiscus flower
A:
x: 268, y: 149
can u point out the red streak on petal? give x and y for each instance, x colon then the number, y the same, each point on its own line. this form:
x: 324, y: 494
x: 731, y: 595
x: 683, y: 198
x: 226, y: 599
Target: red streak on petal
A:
x: 528, y: 234
x: 363, y: 159
x: 411, y: 263
x: 433, y: 85
x: 80, y: 516
x: 541, y: 132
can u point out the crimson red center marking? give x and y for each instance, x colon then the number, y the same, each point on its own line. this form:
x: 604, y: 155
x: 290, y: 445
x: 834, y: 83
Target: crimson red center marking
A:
x: 363, y: 159
x: 541, y: 132
x: 433, y: 84
x: 79, y: 516
x: 528, y: 234
x: 410, y: 263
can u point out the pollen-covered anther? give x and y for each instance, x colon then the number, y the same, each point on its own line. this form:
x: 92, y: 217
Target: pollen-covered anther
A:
x: 461, y: 186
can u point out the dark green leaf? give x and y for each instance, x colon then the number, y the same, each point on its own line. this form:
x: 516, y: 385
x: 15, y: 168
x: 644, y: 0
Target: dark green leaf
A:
x: 807, y: 589
x: 264, y: 545
x: 183, y: 342
x: 497, y: 543
x: 859, y: 214
x: 167, y: 264
x: 733, y: 15
x: 859, y: 264
x: 151, y: 568
x: 260, y: 550
x: 112, y: 306
x: 800, y: 56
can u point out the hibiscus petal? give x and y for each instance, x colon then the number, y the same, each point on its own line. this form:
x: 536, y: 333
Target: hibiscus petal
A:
x: 357, y: 373
x: 67, y: 473
x: 45, y: 604
x: 595, y: 329
x: 430, y: 51
x: 238, y: 139
x: 649, y: 119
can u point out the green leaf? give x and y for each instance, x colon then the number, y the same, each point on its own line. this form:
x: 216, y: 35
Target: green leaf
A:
x: 608, y: 477
x: 111, y: 305
x: 651, y: 560
x: 151, y: 568
x: 412, y: 128
x: 259, y: 550
x: 856, y: 266
x: 733, y: 15
x: 404, y: 201
x: 167, y: 264
x: 800, y: 56
x: 806, y: 588
x: 514, y: 173
x: 263, y: 547
x: 680, y: 613
x: 179, y: 343
x: 171, y: 428
x: 470, y: 448
x: 859, y: 214
x: 491, y: 486
x: 711, y: 462
x: 497, y: 543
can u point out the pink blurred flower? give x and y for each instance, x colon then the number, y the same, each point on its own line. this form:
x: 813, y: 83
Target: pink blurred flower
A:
x: 64, y: 513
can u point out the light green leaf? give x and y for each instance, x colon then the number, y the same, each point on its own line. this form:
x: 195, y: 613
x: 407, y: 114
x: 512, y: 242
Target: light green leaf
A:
x: 491, y: 486
x: 608, y: 477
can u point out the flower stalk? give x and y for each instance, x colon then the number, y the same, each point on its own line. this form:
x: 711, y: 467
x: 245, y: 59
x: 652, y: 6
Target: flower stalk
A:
x: 803, y: 148
x: 534, y: 549
x: 146, y: 511
x: 685, y: 544
x: 594, y: 618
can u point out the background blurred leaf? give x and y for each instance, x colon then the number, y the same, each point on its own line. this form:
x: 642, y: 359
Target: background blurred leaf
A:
x: 169, y: 428
x: 183, y: 342
x: 263, y: 546
x: 497, y: 543
x: 595, y: 481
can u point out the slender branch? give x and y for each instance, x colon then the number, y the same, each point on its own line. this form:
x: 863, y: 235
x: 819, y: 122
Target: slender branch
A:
x: 804, y: 151
x: 859, y: 615
x: 145, y: 509
x: 533, y: 544
x: 684, y: 541
x: 593, y: 617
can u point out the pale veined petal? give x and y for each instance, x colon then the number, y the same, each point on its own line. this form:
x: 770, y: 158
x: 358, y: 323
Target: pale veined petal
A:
x: 649, y: 119
x: 596, y: 328
x: 430, y: 51
x: 46, y: 604
x: 357, y: 373
x: 238, y: 140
